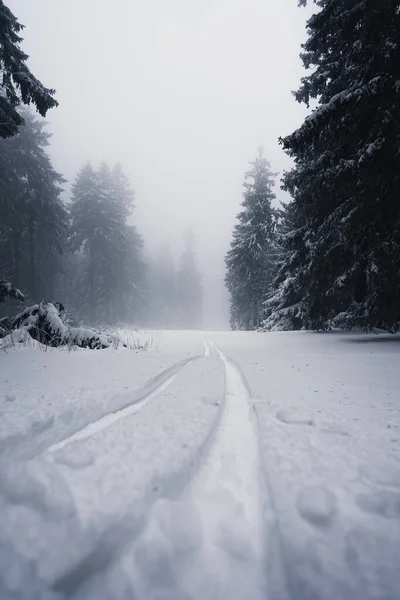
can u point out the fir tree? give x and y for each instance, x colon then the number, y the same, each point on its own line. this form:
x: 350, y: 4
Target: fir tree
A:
x: 347, y: 169
x: 163, y: 309
x: 189, y: 288
x: 283, y: 307
x: 250, y: 259
x: 34, y: 219
x: 84, y: 232
x: 17, y: 82
x: 110, y: 283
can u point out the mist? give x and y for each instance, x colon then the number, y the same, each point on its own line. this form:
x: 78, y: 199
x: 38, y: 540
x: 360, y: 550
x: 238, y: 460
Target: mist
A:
x: 159, y: 185
x: 181, y: 94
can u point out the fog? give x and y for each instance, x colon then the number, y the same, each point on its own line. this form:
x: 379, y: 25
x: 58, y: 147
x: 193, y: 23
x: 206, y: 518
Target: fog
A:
x: 182, y: 93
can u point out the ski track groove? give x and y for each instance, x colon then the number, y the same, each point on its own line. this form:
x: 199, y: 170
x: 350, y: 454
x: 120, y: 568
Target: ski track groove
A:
x: 222, y: 499
x: 108, y: 419
x: 126, y: 530
x: 222, y: 482
x: 228, y: 497
x: 206, y: 348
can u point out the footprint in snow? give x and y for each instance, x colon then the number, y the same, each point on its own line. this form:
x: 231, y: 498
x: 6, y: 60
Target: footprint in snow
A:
x: 295, y: 416
x: 383, y: 475
x: 317, y: 505
x: 383, y: 502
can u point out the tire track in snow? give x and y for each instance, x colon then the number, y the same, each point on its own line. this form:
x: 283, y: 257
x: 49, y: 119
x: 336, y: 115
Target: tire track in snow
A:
x: 150, y: 391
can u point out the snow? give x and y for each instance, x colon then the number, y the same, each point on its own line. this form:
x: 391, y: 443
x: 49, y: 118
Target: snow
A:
x: 212, y: 465
x: 351, y: 94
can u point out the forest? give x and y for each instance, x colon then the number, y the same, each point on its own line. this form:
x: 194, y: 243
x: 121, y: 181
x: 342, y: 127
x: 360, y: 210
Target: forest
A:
x: 75, y: 244
x: 326, y: 259
x: 330, y: 257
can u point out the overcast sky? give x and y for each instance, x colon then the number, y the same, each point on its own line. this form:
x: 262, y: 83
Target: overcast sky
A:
x: 182, y: 93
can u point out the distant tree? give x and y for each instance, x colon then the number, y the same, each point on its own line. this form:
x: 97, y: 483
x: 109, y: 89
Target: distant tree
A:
x: 343, y: 253
x: 189, y: 288
x: 163, y: 309
x: 17, y: 84
x: 251, y: 258
x: 111, y: 279
x: 85, y: 219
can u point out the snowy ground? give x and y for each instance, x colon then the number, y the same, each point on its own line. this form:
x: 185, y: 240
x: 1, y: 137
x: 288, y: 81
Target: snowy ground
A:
x: 213, y: 466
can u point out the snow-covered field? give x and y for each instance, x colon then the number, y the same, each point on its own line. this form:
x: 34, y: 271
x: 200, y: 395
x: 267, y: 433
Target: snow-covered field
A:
x: 224, y: 466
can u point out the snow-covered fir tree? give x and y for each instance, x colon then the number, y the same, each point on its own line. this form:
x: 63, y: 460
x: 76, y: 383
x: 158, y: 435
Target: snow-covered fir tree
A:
x: 189, y: 287
x: 163, y: 301
x: 34, y: 220
x: 283, y: 307
x: 250, y: 260
x: 343, y: 253
x: 85, y: 215
x: 110, y: 280
x: 18, y: 85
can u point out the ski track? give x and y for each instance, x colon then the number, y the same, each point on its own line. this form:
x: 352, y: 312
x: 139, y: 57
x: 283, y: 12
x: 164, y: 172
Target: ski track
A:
x: 217, y: 517
x: 110, y: 418
x: 206, y: 348
x: 216, y: 527
x: 228, y: 502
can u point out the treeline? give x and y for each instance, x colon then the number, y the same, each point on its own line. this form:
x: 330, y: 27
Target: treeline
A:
x: 330, y: 257
x: 176, y: 293
x: 83, y: 249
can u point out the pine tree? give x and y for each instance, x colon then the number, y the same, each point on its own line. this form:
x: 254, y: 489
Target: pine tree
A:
x: 250, y: 259
x: 84, y: 228
x: 163, y: 308
x: 189, y: 288
x: 283, y: 307
x: 17, y: 82
x: 110, y: 283
x: 34, y: 220
x: 347, y: 169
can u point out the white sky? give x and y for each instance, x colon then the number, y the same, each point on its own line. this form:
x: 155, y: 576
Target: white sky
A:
x: 182, y: 92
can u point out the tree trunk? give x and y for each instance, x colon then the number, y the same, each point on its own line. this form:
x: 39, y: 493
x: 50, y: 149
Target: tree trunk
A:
x: 32, y: 255
x: 16, y: 241
x: 91, y: 292
x: 255, y: 319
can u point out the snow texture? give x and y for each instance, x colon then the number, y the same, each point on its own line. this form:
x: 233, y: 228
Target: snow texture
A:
x: 216, y: 465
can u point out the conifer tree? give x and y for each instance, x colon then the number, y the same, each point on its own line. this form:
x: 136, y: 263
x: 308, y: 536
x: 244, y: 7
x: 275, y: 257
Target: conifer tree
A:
x: 163, y: 308
x: 346, y: 227
x: 283, y: 307
x: 189, y: 288
x: 17, y: 82
x: 110, y: 283
x: 34, y: 220
x: 250, y: 259
x: 84, y: 238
